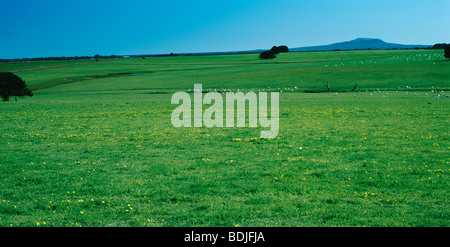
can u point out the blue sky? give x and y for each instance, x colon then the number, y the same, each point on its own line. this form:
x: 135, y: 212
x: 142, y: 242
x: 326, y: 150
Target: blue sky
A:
x: 32, y: 28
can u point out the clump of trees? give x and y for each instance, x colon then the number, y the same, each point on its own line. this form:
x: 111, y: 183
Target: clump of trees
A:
x: 270, y: 54
x: 439, y: 46
x: 447, y: 52
x: 12, y: 85
x: 280, y: 49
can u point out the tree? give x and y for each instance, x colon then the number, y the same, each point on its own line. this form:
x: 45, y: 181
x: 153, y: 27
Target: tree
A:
x: 96, y: 57
x: 279, y: 49
x: 12, y: 85
x: 447, y: 52
x: 267, y: 55
x: 283, y: 48
x: 275, y: 50
x: 439, y: 46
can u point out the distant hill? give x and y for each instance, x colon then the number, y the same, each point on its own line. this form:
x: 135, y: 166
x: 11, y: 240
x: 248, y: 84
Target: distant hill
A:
x: 358, y: 44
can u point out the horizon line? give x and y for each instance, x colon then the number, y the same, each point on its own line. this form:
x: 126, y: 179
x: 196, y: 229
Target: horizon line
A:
x: 229, y: 52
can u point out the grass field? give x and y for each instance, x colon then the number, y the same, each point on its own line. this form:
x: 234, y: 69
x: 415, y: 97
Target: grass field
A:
x: 95, y: 145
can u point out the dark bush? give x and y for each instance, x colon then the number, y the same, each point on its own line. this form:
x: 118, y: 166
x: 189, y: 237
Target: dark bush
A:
x: 267, y: 55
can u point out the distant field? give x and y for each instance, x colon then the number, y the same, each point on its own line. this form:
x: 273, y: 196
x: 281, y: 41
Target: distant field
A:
x: 389, y: 70
x: 95, y: 146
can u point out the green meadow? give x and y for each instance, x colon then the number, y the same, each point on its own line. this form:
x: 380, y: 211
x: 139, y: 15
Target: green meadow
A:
x: 95, y: 147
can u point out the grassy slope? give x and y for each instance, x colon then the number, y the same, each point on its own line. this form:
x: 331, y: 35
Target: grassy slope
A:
x: 100, y: 155
x: 308, y: 71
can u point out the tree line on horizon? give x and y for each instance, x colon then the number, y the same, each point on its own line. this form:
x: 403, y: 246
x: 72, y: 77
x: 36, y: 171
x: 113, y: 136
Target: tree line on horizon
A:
x: 267, y: 54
